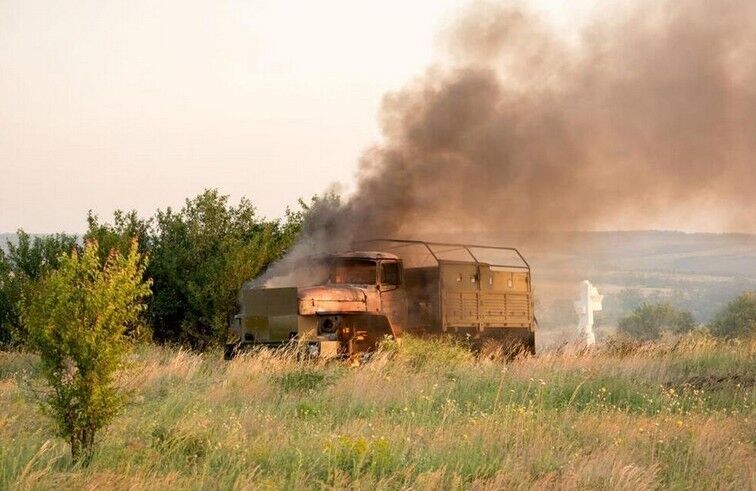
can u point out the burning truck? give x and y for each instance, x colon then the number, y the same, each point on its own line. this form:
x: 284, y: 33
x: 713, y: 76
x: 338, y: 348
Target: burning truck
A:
x: 387, y: 288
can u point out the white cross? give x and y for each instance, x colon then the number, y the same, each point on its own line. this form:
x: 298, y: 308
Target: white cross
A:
x: 590, y: 302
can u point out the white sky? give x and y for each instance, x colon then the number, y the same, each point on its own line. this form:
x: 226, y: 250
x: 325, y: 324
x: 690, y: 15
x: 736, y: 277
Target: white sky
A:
x: 138, y: 104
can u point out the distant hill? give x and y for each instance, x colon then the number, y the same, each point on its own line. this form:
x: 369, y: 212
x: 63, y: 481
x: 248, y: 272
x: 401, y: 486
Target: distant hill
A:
x: 724, y: 255
x: 696, y: 272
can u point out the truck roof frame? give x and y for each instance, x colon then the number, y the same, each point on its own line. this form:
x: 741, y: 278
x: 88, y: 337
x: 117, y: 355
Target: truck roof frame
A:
x: 466, y: 247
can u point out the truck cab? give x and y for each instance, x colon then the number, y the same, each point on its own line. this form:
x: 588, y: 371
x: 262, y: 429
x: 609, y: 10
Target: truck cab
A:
x: 354, y: 300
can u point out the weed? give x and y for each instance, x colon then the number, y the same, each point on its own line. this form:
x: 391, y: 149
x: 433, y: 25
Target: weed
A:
x: 302, y: 379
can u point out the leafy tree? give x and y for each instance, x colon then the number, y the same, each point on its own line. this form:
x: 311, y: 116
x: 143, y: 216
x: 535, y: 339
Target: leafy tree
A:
x: 201, y: 256
x: 7, y: 300
x: 35, y: 256
x: 26, y: 261
x: 77, y: 318
x: 649, y: 321
x: 738, y: 318
x: 126, y: 227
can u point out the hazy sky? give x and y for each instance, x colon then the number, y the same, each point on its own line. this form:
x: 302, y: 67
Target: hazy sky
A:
x: 140, y: 104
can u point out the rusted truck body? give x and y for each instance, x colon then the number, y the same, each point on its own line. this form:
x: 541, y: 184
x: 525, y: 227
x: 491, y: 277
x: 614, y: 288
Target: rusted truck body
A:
x: 389, y: 288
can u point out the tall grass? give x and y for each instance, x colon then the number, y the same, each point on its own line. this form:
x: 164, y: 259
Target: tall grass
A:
x: 420, y: 414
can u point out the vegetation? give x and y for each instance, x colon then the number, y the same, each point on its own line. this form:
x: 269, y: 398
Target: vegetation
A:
x: 654, y: 416
x: 200, y: 256
x: 633, y: 414
x: 77, y: 319
x: 25, y: 263
x: 421, y: 413
x: 738, y: 318
x: 650, y: 321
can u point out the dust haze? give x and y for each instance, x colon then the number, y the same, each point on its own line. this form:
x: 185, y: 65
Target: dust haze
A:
x: 651, y: 114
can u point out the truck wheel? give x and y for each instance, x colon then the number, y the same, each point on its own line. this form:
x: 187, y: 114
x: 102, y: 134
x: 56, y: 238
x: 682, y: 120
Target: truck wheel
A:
x: 530, y: 348
x: 230, y: 351
x: 490, y: 349
x: 525, y: 347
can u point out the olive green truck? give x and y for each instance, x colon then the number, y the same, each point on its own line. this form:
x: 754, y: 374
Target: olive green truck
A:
x: 353, y: 300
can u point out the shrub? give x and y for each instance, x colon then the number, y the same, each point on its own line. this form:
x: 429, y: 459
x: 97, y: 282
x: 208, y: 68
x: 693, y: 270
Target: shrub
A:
x: 126, y: 227
x: 649, y: 321
x: 27, y: 260
x: 738, y: 318
x: 77, y: 318
x: 200, y: 257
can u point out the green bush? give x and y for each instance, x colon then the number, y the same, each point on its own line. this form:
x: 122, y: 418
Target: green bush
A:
x: 77, y: 318
x: 650, y: 321
x: 126, y: 228
x: 201, y: 256
x: 738, y: 318
x: 21, y: 267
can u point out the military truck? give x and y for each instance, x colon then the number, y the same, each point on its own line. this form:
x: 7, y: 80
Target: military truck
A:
x: 389, y: 287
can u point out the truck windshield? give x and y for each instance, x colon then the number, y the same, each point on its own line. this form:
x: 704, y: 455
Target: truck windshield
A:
x: 353, y: 271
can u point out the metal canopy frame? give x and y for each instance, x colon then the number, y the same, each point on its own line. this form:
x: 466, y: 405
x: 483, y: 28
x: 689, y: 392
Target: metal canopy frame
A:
x: 466, y: 247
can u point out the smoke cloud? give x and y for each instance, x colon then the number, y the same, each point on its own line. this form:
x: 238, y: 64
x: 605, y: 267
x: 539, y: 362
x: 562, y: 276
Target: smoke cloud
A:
x: 651, y: 114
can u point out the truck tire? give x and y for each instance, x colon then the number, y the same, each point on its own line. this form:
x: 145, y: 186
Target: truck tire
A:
x: 230, y: 351
x: 522, y: 346
x: 531, y: 347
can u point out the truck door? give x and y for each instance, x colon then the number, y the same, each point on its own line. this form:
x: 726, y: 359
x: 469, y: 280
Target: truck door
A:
x: 393, y: 295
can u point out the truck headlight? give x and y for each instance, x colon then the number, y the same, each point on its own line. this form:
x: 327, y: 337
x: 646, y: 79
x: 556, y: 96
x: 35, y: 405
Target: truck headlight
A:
x: 329, y: 324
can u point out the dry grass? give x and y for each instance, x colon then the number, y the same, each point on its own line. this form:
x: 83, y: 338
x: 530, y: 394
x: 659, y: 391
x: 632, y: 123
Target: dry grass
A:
x: 422, y: 415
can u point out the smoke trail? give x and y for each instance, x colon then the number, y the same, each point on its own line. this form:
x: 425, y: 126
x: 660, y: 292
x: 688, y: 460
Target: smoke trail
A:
x: 652, y: 114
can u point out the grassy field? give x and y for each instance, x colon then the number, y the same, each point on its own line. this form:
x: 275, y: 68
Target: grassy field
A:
x: 423, y: 415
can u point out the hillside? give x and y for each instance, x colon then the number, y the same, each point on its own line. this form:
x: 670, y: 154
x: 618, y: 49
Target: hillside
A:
x: 696, y: 272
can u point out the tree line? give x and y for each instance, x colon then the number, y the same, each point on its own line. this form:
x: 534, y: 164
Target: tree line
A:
x: 650, y: 321
x: 197, y: 258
